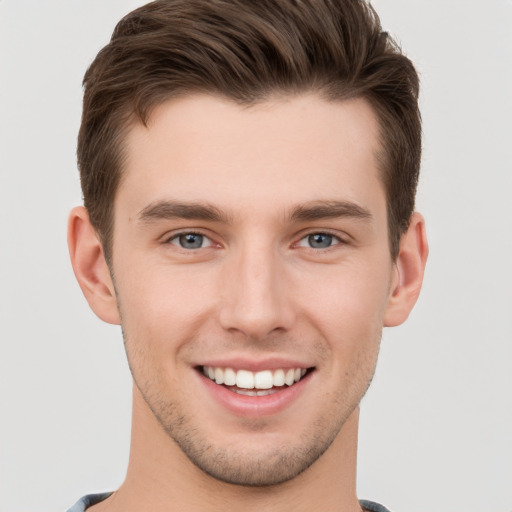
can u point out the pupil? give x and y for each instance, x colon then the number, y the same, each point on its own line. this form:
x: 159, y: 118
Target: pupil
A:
x: 320, y: 240
x: 191, y: 241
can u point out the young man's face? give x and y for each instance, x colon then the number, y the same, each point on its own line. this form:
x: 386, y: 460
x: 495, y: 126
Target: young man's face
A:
x: 251, y: 243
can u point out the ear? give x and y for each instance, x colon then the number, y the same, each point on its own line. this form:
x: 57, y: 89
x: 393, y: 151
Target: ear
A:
x: 90, y: 267
x: 408, y: 272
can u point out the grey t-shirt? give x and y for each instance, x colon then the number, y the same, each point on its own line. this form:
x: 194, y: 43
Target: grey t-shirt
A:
x: 91, y: 499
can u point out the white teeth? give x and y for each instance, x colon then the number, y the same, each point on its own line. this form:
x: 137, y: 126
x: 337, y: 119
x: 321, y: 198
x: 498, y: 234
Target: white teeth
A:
x: 246, y: 392
x: 229, y: 377
x: 244, y: 379
x: 219, y: 376
x: 264, y: 380
x: 289, y: 377
x: 253, y: 392
x: 279, y: 378
x: 264, y: 392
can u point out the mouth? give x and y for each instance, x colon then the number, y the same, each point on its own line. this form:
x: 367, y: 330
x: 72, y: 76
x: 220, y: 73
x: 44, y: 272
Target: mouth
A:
x: 260, y: 383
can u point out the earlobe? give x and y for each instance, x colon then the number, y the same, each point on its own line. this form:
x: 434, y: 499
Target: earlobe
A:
x: 90, y: 267
x: 409, y: 270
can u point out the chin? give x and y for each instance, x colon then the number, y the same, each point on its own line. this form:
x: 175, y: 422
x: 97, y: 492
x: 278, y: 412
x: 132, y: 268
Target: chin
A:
x: 256, y: 458
x: 256, y: 468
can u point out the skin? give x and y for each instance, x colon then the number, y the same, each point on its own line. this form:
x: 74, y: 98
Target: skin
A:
x: 255, y: 290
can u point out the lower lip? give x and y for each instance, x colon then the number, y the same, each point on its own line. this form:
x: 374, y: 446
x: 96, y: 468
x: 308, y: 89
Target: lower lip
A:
x: 255, y: 406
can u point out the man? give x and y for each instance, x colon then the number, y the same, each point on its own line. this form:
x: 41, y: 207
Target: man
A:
x: 249, y: 172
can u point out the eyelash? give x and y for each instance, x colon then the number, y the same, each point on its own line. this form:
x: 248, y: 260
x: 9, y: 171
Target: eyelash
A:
x: 176, y: 238
x: 335, y: 240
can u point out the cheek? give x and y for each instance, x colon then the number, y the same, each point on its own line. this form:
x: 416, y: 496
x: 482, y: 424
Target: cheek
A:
x: 348, y: 312
x: 160, y: 304
x: 348, y: 296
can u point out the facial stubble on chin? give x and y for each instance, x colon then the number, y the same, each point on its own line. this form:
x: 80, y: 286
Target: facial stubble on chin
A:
x: 254, y: 468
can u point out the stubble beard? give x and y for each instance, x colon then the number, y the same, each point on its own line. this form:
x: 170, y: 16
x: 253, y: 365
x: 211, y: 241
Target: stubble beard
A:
x: 258, y: 467
x: 255, y: 466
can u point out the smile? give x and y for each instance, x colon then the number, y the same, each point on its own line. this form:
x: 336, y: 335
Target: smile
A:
x: 261, y: 383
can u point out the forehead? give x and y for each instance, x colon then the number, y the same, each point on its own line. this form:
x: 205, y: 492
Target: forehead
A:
x: 294, y: 149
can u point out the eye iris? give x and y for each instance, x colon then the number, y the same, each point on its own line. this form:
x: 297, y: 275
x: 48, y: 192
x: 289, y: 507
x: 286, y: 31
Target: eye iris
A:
x: 191, y: 241
x: 320, y: 240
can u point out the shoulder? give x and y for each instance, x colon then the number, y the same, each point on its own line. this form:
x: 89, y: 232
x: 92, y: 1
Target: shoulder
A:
x: 88, y: 501
x: 371, y: 506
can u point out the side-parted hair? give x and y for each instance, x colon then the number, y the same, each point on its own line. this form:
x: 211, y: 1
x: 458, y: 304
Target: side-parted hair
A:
x: 248, y: 50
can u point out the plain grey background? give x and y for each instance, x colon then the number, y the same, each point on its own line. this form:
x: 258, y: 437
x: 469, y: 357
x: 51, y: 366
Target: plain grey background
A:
x: 436, y: 425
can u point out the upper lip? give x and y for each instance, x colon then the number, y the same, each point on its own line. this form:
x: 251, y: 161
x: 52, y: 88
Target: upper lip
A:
x: 254, y: 365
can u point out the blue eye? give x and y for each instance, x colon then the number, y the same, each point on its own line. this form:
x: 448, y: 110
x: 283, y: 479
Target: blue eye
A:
x: 191, y: 241
x: 319, y: 241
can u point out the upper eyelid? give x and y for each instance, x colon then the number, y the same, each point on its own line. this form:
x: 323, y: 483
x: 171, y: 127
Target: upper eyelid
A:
x: 171, y: 235
x: 337, y: 237
x: 342, y: 237
x: 173, y: 240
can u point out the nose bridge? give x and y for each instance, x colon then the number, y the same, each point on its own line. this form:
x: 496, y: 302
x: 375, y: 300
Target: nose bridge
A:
x: 255, y: 291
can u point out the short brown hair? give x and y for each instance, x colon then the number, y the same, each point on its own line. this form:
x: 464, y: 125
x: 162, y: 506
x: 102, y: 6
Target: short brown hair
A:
x: 247, y: 50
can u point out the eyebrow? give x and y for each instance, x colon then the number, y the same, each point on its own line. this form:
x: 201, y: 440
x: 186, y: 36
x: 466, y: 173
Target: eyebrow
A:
x: 319, y: 210
x: 162, y: 210
x: 310, y: 211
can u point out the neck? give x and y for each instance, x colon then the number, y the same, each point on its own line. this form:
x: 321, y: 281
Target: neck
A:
x: 160, y: 477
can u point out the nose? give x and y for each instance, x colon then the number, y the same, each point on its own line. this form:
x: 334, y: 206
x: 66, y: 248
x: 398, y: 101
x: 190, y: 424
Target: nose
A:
x: 256, y: 296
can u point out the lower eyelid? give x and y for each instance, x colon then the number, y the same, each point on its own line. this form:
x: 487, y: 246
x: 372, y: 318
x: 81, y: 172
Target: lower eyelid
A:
x: 174, y: 240
x: 335, y: 239
x: 208, y: 242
